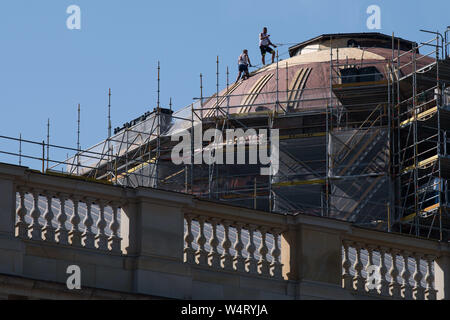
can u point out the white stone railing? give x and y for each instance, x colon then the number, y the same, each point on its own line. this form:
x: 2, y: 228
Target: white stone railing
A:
x: 234, y: 246
x: 402, y: 274
x: 67, y: 219
x: 166, y: 235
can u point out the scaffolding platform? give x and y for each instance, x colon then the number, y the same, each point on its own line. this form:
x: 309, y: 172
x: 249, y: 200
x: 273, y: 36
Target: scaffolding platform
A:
x: 430, y: 164
x: 425, y: 77
x: 359, y: 95
x: 430, y: 221
x: 424, y: 213
x: 429, y: 117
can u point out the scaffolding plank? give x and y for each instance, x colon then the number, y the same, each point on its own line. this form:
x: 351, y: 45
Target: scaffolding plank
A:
x: 422, y: 164
x: 427, y: 210
x: 429, y: 118
x: 423, y: 116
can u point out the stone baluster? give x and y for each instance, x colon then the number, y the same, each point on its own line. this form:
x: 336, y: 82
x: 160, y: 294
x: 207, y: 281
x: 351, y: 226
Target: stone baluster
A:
x: 250, y: 262
x: 226, y: 260
x: 75, y: 233
x: 430, y: 292
x: 347, y: 280
x: 114, y: 240
x: 88, y: 238
x: 418, y: 290
x: 201, y: 256
x: 263, y: 263
x: 239, y: 260
x: 21, y: 225
x: 101, y: 239
x: 189, y: 253
x: 406, y: 286
x: 62, y: 234
x: 394, y: 285
x: 276, y: 268
x: 213, y: 255
x: 48, y: 232
x: 35, y: 229
x: 384, y: 285
x: 358, y: 280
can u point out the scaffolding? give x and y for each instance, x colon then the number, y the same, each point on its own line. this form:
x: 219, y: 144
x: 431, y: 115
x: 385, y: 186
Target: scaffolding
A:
x: 368, y: 147
x: 358, y: 179
x: 306, y: 121
x: 344, y: 164
x: 422, y: 119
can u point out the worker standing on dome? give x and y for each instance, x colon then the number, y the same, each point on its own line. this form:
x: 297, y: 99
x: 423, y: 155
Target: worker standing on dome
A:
x: 264, y: 45
x: 244, y: 63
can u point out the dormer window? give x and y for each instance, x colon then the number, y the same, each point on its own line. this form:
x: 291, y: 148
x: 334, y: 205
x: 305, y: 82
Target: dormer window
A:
x: 352, y: 43
x: 355, y: 74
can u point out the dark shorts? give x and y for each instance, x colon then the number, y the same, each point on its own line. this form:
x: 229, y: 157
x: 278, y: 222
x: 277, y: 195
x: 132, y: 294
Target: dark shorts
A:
x: 243, y: 68
x: 265, y: 49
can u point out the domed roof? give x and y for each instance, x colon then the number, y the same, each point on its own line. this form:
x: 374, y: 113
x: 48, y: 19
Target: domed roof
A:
x: 303, y: 80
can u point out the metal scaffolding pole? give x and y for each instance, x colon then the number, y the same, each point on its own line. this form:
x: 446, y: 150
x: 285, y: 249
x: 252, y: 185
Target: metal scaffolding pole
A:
x: 158, y: 147
x: 48, y: 142
x: 20, y: 149
x: 159, y: 82
x: 78, y: 140
x: 287, y: 87
x: 439, y: 100
x: 110, y: 174
x: 389, y: 167
x: 192, y: 148
x: 399, y: 158
x: 416, y: 151
x: 328, y: 132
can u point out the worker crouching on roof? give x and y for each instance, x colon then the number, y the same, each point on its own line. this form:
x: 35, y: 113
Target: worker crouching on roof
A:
x: 244, y: 63
x: 264, y: 45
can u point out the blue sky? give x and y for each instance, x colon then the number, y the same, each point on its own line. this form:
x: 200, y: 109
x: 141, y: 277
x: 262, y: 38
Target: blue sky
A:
x: 46, y: 69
